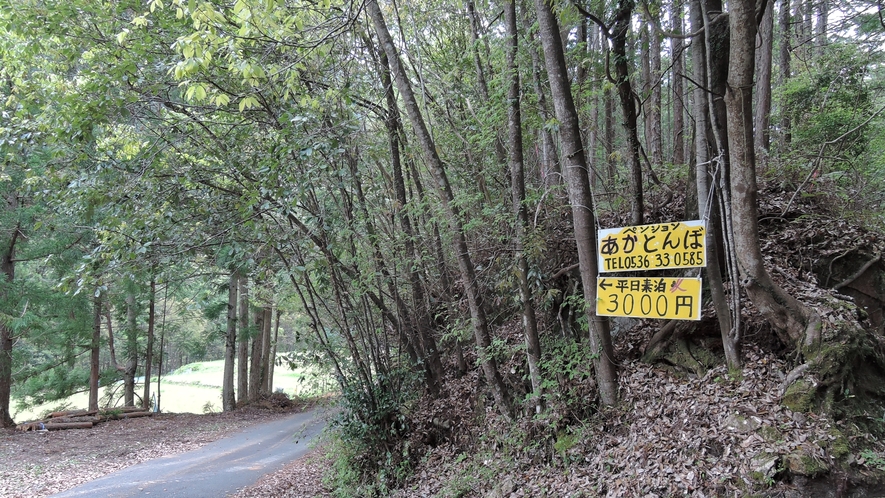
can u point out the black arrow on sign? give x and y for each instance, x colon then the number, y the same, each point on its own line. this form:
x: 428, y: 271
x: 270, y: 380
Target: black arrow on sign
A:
x: 603, y: 285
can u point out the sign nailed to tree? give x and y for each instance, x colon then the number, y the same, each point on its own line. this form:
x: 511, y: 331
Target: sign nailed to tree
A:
x: 652, y: 247
x: 640, y: 297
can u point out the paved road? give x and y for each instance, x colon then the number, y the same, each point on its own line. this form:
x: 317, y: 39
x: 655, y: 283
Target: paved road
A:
x: 216, y: 469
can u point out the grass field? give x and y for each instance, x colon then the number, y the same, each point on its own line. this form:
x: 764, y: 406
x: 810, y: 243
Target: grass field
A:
x: 193, y: 388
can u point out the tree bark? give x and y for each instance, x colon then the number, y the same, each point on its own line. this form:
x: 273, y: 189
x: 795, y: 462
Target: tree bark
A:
x: 820, y: 28
x: 437, y: 169
x: 7, y: 273
x: 619, y: 34
x: 784, y: 23
x: 420, y: 318
x: 676, y: 48
x: 763, y: 85
x: 583, y: 215
x: 273, y: 351
x: 264, y: 380
x: 797, y: 324
x: 706, y: 180
x: 243, y: 340
x: 654, y: 109
x: 94, y: 370
x: 517, y: 184
x: 551, y: 171
x: 149, y: 350
x: 228, y: 399
x: 131, y: 349
x: 255, y: 356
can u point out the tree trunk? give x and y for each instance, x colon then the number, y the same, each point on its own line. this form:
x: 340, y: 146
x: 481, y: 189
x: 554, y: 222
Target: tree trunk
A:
x: 149, y: 350
x: 419, y: 319
x: 583, y: 215
x: 273, y: 351
x: 255, y: 356
x: 517, y: 183
x: 551, y: 171
x: 652, y: 76
x: 784, y: 22
x: 609, y: 124
x: 7, y: 273
x: 264, y: 380
x: 676, y: 47
x: 820, y: 28
x: 763, y: 85
x: 243, y: 340
x: 706, y: 180
x: 797, y: 324
x: 131, y: 349
x: 94, y: 370
x: 435, y: 164
x: 228, y: 399
x: 628, y: 105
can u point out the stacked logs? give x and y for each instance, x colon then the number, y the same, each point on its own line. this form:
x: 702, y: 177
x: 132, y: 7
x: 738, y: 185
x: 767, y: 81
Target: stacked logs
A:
x: 82, y: 419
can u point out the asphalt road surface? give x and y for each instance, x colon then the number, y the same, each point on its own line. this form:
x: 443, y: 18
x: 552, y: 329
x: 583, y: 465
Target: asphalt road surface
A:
x: 216, y: 469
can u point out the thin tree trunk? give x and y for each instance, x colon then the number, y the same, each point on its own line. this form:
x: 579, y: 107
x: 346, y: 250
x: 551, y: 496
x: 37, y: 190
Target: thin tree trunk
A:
x: 784, y: 22
x: 820, y: 28
x: 763, y: 85
x: 421, y: 316
x: 517, y: 182
x: 581, y: 200
x: 149, y: 350
x: 797, y: 324
x: 273, y: 351
x: 243, y: 340
x: 628, y: 105
x: 706, y: 180
x: 131, y: 349
x: 94, y: 370
x: 255, y: 356
x: 609, y: 124
x: 228, y: 398
x: 655, y: 140
x: 676, y: 47
x: 551, y: 172
x: 264, y: 380
x: 435, y: 164
x: 7, y: 273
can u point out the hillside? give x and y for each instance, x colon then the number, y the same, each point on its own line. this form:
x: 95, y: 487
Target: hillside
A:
x: 684, y: 426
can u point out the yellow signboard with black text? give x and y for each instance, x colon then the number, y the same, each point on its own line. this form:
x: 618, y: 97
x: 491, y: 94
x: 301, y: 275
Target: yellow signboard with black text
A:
x: 652, y: 247
x: 649, y: 297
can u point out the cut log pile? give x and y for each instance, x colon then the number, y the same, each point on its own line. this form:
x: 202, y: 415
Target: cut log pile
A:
x: 82, y: 419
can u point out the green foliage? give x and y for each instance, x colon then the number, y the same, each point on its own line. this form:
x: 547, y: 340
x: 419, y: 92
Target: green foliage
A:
x: 831, y: 100
x: 373, y: 457
x: 567, y: 370
x: 873, y: 459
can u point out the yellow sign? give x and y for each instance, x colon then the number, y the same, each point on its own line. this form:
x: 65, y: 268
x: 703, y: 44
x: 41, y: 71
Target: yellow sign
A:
x: 641, y: 297
x: 652, y: 247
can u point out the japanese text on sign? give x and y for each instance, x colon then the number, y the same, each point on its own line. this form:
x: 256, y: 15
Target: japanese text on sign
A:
x: 675, y: 298
x: 652, y: 247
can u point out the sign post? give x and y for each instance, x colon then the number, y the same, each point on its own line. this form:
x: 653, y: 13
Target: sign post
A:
x: 648, y: 297
x: 651, y: 247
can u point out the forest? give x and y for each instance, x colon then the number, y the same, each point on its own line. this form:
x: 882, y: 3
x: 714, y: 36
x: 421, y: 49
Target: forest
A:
x: 416, y: 190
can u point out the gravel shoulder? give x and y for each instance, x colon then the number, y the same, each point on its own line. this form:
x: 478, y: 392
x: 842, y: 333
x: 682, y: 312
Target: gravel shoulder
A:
x: 35, y: 464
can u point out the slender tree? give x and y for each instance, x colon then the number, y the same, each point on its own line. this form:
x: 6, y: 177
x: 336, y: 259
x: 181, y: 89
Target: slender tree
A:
x: 517, y: 185
x: 584, y: 219
x: 228, y: 399
x: 796, y: 323
x: 444, y: 190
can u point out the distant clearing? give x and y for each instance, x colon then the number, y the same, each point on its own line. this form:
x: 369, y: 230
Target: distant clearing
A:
x: 192, y: 389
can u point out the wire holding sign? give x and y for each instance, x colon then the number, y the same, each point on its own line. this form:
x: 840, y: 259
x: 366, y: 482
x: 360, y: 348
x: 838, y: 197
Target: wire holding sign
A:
x: 653, y: 247
x: 640, y: 297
